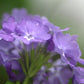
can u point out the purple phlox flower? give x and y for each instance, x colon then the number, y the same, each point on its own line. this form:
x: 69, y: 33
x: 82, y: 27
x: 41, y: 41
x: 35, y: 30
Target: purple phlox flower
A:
x: 29, y: 29
x: 8, y: 58
x: 7, y: 52
x: 67, y: 47
x: 60, y: 73
x: 22, y: 32
x: 5, y: 36
x: 8, y: 28
x: 48, y: 24
x: 9, y: 25
x: 51, y: 45
x: 10, y: 22
x: 78, y: 77
x: 41, y: 77
x: 40, y: 20
x: 18, y: 14
x: 54, y: 30
x: 9, y: 48
x: 14, y: 65
x: 28, y: 32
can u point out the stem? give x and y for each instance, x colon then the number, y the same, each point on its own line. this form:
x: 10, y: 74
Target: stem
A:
x: 17, y: 82
x: 24, y: 70
x: 28, y: 80
x: 26, y: 57
x: 27, y: 60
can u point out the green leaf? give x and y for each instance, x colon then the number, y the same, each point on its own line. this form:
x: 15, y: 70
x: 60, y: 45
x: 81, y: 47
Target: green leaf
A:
x: 32, y: 55
x: 28, y: 80
x: 17, y: 82
x: 9, y: 82
x: 70, y: 81
x: 23, y: 67
x: 48, y: 65
x: 55, y: 57
x: 36, y: 60
x: 27, y: 59
x: 36, y: 63
x: 33, y: 71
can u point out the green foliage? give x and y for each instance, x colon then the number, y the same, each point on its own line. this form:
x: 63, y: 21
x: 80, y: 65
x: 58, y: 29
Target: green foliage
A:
x: 48, y: 65
x: 70, y: 81
x: 3, y: 75
x: 9, y: 82
x: 28, y: 80
x: 17, y: 82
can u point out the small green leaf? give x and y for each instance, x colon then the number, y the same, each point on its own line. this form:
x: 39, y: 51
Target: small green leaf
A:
x: 32, y: 55
x: 27, y: 59
x: 70, y: 81
x: 28, y: 80
x: 55, y: 57
x: 17, y: 82
x: 9, y: 82
x: 23, y: 67
x: 33, y: 71
x: 48, y: 65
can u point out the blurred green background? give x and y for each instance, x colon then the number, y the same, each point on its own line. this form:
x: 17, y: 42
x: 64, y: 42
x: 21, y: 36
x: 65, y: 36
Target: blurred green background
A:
x: 63, y: 13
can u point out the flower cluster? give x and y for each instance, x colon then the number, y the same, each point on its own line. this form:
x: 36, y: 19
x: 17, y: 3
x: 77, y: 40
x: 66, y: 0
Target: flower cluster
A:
x: 38, y: 51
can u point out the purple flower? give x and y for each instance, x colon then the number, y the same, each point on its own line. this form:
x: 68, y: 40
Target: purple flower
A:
x: 18, y: 14
x: 5, y: 36
x: 54, y: 30
x: 60, y: 73
x: 27, y: 29
x: 78, y: 77
x: 10, y: 22
x: 35, y: 39
x: 67, y: 47
x: 8, y: 58
x: 14, y: 65
x: 51, y: 45
x: 9, y: 25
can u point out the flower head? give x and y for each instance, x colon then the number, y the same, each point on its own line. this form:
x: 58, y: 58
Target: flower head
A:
x: 38, y: 50
x: 27, y: 29
x: 67, y: 47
